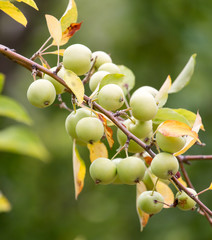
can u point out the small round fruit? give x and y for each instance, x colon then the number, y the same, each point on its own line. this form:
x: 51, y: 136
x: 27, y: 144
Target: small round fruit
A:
x: 128, y: 81
x: 77, y: 58
x: 103, y: 171
x: 140, y: 129
x: 117, y: 180
x: 73, y: 118
x: 148, y: 181
x: 184, y: 201
x: 109, y: 67
x: 101, y: 58
x: 96, y: 79
x: 143, y: 106
x: 148, y: 89
x: 89, y: 129
x: 131, y: 170
x: 58, y: 86
x: 41, y: 93
x: 150, y: 202
x: 170, y: 144
x: 164, y: 165
x: 111, y: 97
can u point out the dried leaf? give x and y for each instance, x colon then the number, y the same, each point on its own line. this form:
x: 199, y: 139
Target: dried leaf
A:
x: 61, y: 52
x: 4, y: 204
x: 143, y: 217
x: 54, y: 27
x: 79, y: 170
x: 108, y: 130
x: 30, y: 3
x: 162, y: 94
x: 166, y: 192
x: 75, y: 84
x: 97, y: 150
x: 13, y: 12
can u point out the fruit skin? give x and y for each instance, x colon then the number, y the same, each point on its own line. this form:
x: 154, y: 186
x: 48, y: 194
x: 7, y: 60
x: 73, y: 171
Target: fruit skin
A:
x: 111, y: 97
x: 185, y: 203
x: 151, y: 90
x: 103, y: 171
x: 131, y: 170
x: 96, y: 78
x: 128, y: 82
x: 101, y: 58
x: 117, y: 180
x: 143, y: 106
x: 164, y: 165
x: 77, y: 58
x: 140, y: 129
x: 109, y: 67
x: 41, y: 93
x: 58, y: 86
x: 170, y: 144
x: 147, y: 202
x: 89, y: 129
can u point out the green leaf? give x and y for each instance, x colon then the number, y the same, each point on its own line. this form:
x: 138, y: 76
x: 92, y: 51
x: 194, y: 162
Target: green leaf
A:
x: 22, y: 140
x: 30, y: 3
x: 114, y: 78
x: 185, y: 76
x: 128, y: 82
x: 162, y: 95
x: 2, y: 79
x: 13, y: 12
x: 164, y: 114
x: 12, y: 109
x: 70, y: 16
x: 190, y: 116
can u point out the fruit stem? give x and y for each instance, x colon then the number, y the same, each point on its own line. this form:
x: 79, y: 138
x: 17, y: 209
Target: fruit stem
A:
x: 154, y: 188
x: 174, y: 185
x: 119, y: 150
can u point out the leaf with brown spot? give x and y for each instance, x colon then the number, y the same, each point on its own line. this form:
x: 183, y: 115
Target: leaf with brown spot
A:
x: 97, y: 150
x: 79, y: 170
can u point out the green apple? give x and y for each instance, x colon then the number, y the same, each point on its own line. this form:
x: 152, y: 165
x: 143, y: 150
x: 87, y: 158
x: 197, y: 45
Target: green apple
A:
x: 101, y: 58
x: 96, y: 79
x: 109, y: 67
x: 185, y: 203
x: 41, y: 93
x: 140, y: 129
x: 148, y: 89
x: 117, y: 180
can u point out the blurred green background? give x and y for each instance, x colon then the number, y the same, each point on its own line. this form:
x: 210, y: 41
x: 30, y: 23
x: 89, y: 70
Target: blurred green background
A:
x: 154, y: 38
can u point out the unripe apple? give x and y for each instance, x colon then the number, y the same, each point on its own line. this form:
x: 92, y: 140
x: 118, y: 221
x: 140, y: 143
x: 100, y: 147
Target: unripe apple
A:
x: 148, y: 180
x: 140, y: 129
x: 96, y: 79
x: 77, y: 58
x: 184, y: 201
x: 109, y: 67
x: 89, y: 129
x: 131, y: 170
x: 58, y: 86
x: 41, y: 93
x: 128, y: 81
x: 111, y: 97
x: 117, y: 179
x: 164, y: 165
x: 143, y: 106
x: 101, y: 58
x: 150, y: 202
x: 170, y: 144
x: 103, y: 171
x: 151, y: 90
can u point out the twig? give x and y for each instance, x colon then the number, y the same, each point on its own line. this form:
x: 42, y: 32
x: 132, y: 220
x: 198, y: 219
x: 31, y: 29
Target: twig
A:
x: 186, y: 158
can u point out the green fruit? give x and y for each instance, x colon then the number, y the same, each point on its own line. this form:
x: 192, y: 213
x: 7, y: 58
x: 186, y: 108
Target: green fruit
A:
x: 164, y: 165
x: 103, y: 171
x: 101, y: 58
x: 148, y: 180
x: 41, y: 93
x: 111, y: 97
x: 73, y: 118
x: 77, y: 58
x: 89, y: 129
x: 184, y: 201
x: 109, y: 67
x: 58, y: 86
x: 148, y: 89
x: 117, y: 179
x: 128, y: 81
x: 150, y: 202
x: 170, y: 144
x: 131, y: 170
x: 96, y: 79
x: 143, y: 106
x: 140, y: 129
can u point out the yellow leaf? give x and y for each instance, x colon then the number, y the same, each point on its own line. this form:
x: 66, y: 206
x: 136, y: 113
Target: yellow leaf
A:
x: 4, y: 204
x: 143, y: 217
x: 54, y: 27
x: 210, y: 187
x: 162, y: 94
x: 190, y: 141
x: 79, y: 170
x: 13, y: 12
x: 166, y: 192
x: 75, y: 84
x: 182, y: 182
x: 61, y: 52
x: 29, y: 2
x: 97, y: 150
